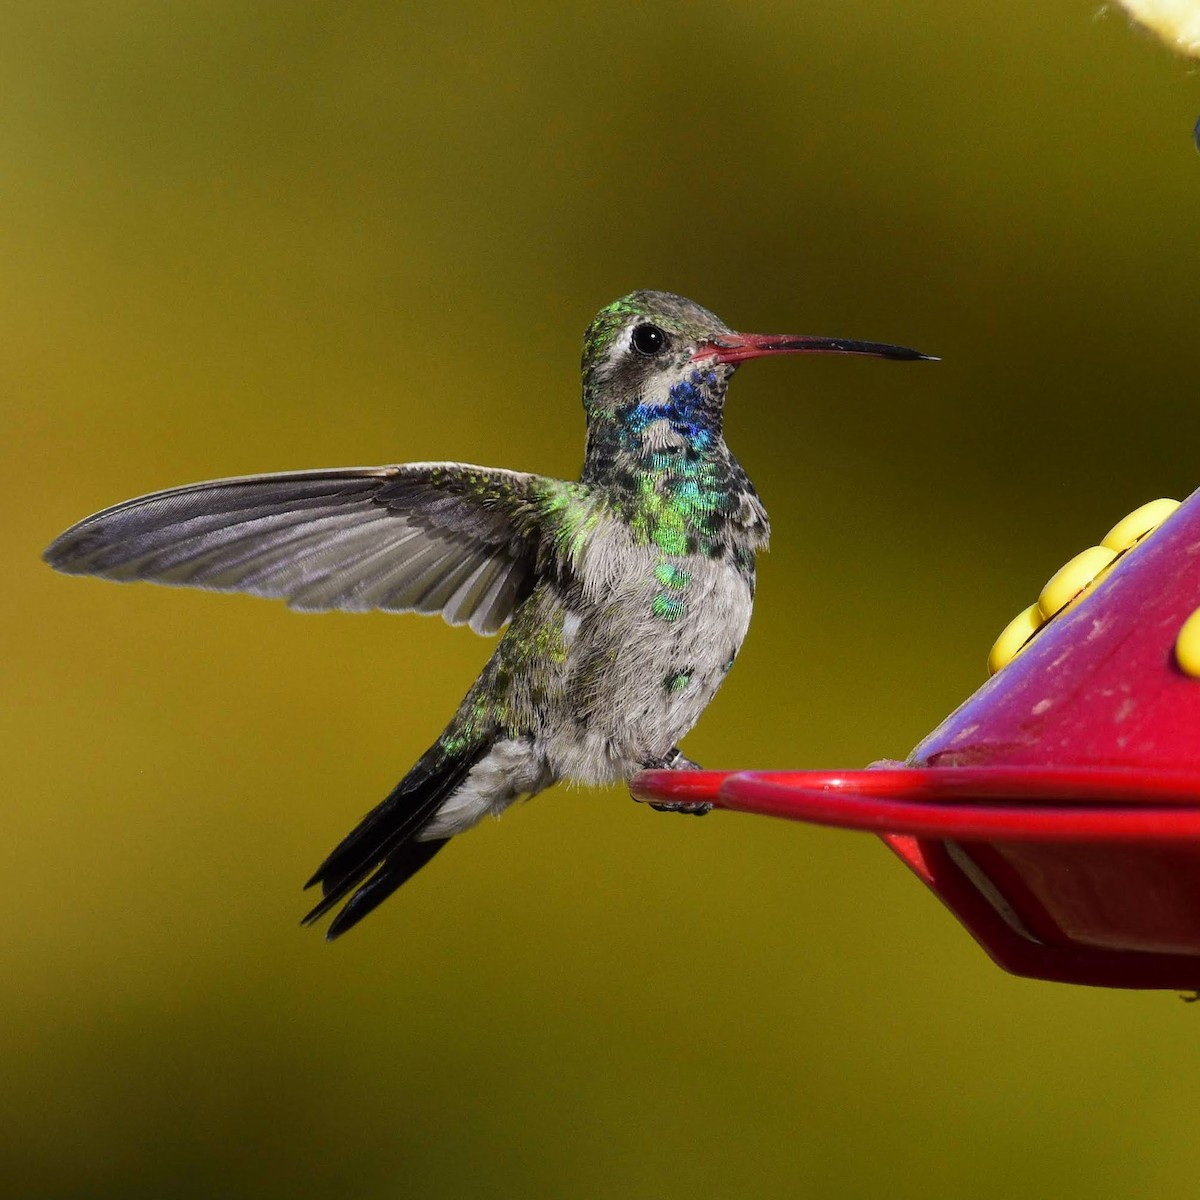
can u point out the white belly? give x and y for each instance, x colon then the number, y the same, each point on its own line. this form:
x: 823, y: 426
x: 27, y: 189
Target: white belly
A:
x: 651, y: 641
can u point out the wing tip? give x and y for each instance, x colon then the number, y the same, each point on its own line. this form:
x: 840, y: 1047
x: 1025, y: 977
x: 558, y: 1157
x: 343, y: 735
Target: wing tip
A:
x: 63, y: 554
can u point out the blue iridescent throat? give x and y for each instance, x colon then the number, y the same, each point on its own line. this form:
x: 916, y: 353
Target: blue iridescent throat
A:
x: 676, y: 491
x: 692, y: 410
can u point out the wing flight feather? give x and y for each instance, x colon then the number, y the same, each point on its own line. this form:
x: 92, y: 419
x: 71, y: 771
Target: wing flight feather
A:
x: 447, y: 538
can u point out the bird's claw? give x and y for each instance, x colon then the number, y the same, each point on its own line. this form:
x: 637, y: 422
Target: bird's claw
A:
x: 676, y: 760
x: 690, y: 808
x: 673, y: 760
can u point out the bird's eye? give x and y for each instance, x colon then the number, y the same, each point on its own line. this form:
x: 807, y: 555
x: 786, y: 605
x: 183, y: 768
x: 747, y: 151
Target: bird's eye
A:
x: 649, y: 340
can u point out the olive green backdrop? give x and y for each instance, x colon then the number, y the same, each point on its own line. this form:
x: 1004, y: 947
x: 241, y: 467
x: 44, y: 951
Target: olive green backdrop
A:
x: 247, y: 237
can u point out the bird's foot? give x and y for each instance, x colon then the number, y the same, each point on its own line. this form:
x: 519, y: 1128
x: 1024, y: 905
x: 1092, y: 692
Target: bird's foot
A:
x: 690, y: 808
x: 673, y: 760
x: 676, y: 760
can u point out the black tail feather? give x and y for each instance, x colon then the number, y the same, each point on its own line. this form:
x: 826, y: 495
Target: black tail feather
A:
x: 382, y: 850
x: 399, y: 867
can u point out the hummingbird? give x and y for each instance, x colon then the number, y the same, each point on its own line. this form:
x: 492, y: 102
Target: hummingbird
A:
x: 626, y: 593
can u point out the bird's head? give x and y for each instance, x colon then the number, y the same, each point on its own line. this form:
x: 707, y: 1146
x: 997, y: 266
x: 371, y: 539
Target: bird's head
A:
x: 642, y: 349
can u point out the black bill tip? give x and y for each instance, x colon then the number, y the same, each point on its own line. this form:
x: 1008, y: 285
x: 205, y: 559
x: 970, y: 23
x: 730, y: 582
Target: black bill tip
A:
x: 875, y: 349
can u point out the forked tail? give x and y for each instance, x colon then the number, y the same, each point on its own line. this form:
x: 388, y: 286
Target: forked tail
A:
x: 382, y: 850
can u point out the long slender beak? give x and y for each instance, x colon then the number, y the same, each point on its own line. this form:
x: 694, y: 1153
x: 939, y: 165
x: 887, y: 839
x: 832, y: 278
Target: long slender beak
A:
x: 737, y: 347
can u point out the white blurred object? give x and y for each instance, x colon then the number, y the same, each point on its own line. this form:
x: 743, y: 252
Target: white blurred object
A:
x: 1177, y: 22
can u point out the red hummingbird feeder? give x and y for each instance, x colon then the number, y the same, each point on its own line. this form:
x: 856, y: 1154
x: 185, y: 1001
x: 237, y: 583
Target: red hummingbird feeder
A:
x: 1056, y: 813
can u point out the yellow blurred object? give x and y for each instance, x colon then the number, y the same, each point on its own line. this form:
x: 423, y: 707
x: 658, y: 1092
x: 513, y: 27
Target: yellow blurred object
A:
x: 1076, y: 576
x: 1176, y: 22
x: 1187, y: 646
x: 1126, y: 532
x: 1012, y: 641
x: 1072, y: 578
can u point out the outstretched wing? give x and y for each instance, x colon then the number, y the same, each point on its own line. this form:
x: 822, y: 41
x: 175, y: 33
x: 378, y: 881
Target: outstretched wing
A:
x: 444, y: 538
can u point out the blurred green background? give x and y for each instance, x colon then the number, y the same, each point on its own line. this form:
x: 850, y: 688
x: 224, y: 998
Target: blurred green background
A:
x: 248, y: 237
